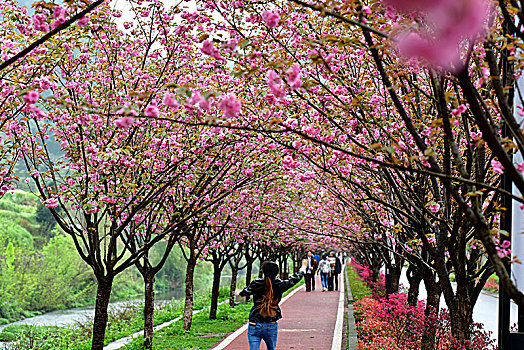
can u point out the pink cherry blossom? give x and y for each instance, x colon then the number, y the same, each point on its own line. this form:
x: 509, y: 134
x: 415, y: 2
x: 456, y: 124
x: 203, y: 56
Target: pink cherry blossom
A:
x: 31, y: 108
x: 293, y: 75
x: 449, y: 22
x: 209, y: 49
x: 497, y: 167
x: 438, y: 54
x: 58, y: 11
x: 171, y: 101
x: 410, y: 5
x: 197, y: 98
x: 31, y: 97
x: 271, y: 18
x: 274, y: 82
x: 230, y: 105
x: 434, y: 207
x: 152, y: 111
x: 125, y: 122
x: 307, y: 176
x: 459, y: 110
x: 83, y: 21
x: 39, y: 22
x: 58, y: 22
x: 50, y: 203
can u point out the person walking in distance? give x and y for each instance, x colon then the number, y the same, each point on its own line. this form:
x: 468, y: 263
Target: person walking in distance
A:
x: 325, y: 271
x: 310, y: 271
x: 265, y: 313
x: 336, y: 269
x: 332, y: 264
x: 317, y: 259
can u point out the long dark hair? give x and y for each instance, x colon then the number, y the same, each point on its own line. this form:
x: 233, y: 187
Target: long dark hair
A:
x: 269, y: 304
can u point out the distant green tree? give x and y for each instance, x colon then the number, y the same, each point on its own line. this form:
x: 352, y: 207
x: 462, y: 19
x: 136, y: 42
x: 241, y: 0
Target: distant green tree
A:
x: 46, y: 220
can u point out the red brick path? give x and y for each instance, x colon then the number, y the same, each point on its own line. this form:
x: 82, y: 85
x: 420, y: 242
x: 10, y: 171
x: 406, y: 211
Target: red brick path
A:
x: 308, y: 321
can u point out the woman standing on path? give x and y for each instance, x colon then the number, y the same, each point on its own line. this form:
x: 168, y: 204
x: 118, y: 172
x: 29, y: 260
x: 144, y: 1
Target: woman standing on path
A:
x: 325, y: 271
x: 265, y: 313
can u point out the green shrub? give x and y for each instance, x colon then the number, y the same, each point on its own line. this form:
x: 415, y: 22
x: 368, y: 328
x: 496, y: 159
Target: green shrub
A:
x: 223, y: 292
x: 7, y: 336
x: 10, y: 312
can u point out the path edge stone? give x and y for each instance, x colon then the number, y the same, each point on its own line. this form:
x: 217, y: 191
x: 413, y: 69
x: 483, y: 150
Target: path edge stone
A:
x: 351, y: 324
x: 339, y: 324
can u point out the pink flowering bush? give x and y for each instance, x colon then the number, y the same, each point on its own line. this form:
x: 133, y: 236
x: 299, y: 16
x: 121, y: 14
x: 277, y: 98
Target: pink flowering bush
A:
x: 390, y: 323
x: 492, y: 284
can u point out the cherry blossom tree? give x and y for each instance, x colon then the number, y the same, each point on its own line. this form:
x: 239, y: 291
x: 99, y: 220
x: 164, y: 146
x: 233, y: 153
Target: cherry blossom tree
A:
x: 364, y: 82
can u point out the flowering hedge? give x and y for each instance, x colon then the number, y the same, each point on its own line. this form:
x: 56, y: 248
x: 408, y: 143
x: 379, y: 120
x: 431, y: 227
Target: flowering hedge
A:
x: 388, y: 324
x: 492, y: 284
x: 392, y: 324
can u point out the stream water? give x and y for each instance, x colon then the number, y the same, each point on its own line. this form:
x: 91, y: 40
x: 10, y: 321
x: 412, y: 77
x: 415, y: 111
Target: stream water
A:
x: 69, y: 316
x: 86, y: 313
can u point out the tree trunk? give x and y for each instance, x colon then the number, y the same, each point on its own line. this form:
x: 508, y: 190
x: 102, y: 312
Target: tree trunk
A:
x: 461, y: 328
x: 431, y: 312
x: 103, y: 293
x: 233, y: 286
x: 149, y: 309
x: 395, y: 277
x: 414, y: 279
x: 376, y: 264
x: 461, y: 324
x: 249, y: 272
x: 215, y: 290
x: 375, y: 275
x: 188, y: 306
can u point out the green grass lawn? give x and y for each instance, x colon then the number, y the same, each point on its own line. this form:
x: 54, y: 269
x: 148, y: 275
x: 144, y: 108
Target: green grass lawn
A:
x: 204, y: 333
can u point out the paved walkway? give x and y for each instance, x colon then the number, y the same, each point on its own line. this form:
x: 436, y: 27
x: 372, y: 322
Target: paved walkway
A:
x: 308, y: 323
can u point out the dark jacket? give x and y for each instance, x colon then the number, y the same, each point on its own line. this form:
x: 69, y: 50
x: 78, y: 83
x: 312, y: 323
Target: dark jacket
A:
x: 338, y: 266
x: 314, y: 263
x: 257, y: 290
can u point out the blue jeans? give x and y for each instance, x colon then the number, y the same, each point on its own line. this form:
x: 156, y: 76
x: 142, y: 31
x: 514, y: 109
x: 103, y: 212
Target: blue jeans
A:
x: 324, y: 279
x: 266, y: 331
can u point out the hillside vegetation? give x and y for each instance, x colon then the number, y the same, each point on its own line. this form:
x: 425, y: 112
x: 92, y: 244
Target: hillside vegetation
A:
x: 41, y: 271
